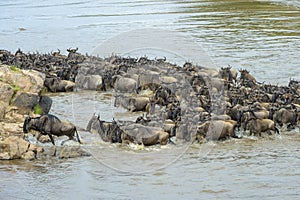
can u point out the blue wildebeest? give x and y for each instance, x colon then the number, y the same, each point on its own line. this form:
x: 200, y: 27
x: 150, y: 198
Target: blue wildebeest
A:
x: 50, y: 125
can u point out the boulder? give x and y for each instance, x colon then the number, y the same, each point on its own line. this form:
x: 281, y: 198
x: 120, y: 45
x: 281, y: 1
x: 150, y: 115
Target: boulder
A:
x: 21, y: 88
x: 72, y: 152
x: 26, y: 80
x: 35, y: 80
x: 26, y: 102
x: 13, y: 147
x: 45, y: 103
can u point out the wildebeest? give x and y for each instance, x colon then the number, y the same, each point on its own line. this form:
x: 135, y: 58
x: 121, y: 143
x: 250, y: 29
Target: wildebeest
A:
x: 125, y: 84
x: 140, y: 134
x: 228, y: 74
x: 108, y: 131
x: 247, y: 79
x: 217, y: 129
x: 257, y: 126
x: 285, y: 116
x: 50, y: 125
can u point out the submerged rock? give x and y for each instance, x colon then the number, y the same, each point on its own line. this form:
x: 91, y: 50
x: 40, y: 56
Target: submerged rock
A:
x: 72, y: 152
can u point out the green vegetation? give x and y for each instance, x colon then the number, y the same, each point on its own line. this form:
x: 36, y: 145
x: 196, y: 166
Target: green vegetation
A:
x: 38, y: 109
x: 1, y: 79
x: 14, y: 68
x: 16, y: 88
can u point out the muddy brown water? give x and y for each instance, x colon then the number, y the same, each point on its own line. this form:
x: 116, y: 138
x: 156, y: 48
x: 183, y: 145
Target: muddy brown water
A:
x: 262, y: 36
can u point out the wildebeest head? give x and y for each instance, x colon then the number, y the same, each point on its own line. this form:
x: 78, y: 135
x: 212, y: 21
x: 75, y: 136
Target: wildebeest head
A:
x: 30, y: 123
x: 25, y: 124
x: 244, y: 73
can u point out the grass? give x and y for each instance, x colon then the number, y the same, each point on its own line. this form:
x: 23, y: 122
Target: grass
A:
x: 14, y: 68
x: 38, y: 109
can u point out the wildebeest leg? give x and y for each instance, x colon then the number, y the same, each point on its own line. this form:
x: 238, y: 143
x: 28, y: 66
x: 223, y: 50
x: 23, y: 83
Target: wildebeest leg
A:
x: 51, y: 138
x: 277, y: 130
x: 77, y: 136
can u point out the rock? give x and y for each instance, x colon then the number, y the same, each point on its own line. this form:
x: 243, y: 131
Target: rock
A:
x: 21, y: 88
x: 26, y: 102
x: 45, y: 103
x: 26, y: 80
x: 6, y: 91
x: 44, y: 139
x: 72, y: 152
x: 12, y: 115
x: 39, y: 150
x: 36, y: 80
x: 13, y: 147
x: 29, y: 155
x: 35, y: 149
x: 15, y: 128
x: 3, y: 108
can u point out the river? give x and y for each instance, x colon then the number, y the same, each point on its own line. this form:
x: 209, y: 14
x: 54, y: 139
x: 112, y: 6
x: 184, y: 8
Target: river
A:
x: 262, y: 36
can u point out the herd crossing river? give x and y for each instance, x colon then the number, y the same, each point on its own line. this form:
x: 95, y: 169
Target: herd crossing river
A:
x: 261, y: 36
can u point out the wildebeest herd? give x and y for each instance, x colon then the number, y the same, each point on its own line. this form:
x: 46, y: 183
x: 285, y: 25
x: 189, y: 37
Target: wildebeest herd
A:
x: 189, y: 102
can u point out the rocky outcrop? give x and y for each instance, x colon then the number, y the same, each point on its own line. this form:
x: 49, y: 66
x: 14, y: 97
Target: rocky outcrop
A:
x: 22, y: 89
x: 14, y: 147
x: 21, y: 93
